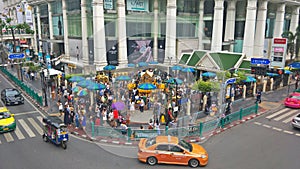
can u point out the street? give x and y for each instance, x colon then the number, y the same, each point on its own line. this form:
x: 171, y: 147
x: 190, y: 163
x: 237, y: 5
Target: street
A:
x: 267, y: 142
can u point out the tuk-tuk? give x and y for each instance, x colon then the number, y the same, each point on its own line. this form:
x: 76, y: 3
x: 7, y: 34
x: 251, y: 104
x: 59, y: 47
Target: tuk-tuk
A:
x: 55, y: 131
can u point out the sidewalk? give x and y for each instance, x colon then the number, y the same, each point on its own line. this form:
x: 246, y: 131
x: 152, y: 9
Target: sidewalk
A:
x: 270, y: 101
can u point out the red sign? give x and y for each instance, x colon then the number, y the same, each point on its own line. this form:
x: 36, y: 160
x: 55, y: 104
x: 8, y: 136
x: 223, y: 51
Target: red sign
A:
x: 279, y: 41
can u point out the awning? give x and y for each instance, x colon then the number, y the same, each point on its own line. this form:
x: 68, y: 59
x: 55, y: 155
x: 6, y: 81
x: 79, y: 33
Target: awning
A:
x: 51, y: 72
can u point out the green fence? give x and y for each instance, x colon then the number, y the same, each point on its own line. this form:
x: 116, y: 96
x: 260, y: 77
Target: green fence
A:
x: 194, y: 130
x: 29, y: 91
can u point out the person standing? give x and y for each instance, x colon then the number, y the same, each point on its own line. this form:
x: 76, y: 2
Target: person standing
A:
x: 142, y: 104
x: 258, y: 97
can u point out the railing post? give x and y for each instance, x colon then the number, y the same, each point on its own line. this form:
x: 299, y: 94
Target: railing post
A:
x: 256, y: 108
x: 201, y: 128
x: 166, y: 130
x: 93, y: 128
x: 241, y: 113
x: 129, y: 132
x: 223, y: 122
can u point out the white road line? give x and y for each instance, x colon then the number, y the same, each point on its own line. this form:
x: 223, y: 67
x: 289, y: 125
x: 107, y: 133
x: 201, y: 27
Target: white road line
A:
x: 275, y: 128
x: 40, y: 118
x: 26, y: 128
x: 288, y: 119
x: 0, y: 142
x: 19, y: 134
x: 298, y: 134
x: 30, y: 112
x: 257, y: 123
x: 36, y: 126
x: 266, y: 126
x: 8, y: 137
x: 277, y: 113
x: 288, y: 132
x: 285, y: 115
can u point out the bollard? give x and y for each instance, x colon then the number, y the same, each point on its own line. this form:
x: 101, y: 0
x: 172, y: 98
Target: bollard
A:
x: 166, y: 130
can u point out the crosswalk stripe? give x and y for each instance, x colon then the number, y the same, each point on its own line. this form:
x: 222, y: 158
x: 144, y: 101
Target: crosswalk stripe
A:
x: 285, y: 115
x: 40, y: 118
x: 277, y: 113
x: 36, y: 126
x: 26, y: 128
x: 8, y: 137
x: 288, y: 119
x: 19, y: 134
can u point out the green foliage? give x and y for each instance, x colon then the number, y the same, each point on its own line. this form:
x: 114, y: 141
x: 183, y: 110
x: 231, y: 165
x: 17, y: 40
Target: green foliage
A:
x: 34, y: 68
x: 206, y: 86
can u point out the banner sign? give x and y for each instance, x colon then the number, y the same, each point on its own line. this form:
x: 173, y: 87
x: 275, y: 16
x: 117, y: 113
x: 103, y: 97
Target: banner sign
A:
x: 137, y: 5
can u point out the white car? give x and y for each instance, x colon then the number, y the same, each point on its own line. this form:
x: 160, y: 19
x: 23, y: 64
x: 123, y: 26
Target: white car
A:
x: 296, y: 121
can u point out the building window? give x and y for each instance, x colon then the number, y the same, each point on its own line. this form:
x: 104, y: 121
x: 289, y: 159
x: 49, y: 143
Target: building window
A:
x: 74, y: 5
x: 56, y: 7
x: 74, y: 25
x: 44, y: 10
x: 138, y: 29
x: 110, y: 28
x: 239, y: 29
x: 208, y: 28
x: 58, y: 26
x: 209, y: 7
x: 185, y: 29
x: 188, y: 6
x: 163, y: 29
x: 110, y: 4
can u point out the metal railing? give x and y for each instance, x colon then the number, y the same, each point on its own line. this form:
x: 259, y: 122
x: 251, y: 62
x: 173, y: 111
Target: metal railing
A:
x: 23, y: 86
x: 190, y: 131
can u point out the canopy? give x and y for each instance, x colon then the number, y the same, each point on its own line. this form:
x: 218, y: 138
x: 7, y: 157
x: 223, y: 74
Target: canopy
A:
x: 51, y: 72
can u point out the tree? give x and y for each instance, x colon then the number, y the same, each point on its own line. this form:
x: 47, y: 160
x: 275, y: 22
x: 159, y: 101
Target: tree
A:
x: 297, y: 41
x: 206, y: 86
x: 291, y: 42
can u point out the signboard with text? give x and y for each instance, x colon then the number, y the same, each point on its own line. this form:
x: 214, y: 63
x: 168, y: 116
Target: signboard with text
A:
x: 278, y: 52
x: 137, y: 5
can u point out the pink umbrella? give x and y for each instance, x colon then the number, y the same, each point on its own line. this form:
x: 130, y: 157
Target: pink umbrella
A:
x: 118, y: 105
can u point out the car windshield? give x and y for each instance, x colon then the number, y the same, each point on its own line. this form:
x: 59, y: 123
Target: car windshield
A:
x: 150, y: 142
x: 12, y: 93
x: 4, y: 115
x: 186, y: 145
x: 295, y: 97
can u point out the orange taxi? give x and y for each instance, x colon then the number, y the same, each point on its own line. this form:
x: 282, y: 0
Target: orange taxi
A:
x: 171, y: 150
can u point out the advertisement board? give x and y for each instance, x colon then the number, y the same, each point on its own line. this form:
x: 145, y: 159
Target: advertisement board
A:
x: 278, y: 52
x: 137, y: 5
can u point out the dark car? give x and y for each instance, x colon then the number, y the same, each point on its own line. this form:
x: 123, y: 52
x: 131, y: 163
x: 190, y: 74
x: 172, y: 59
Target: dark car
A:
x: 11, y: 96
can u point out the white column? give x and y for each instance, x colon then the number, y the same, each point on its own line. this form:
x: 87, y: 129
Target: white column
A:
x: 201, y: 25
x: 294, y: 19
x: 34, y: 44
x: 216, y: 41
x: 85, y: 54
x: 99, y: 34
x: 230, y: 21
x: 279, y: 21
x: 122, y: 41
x: 50, y: 27
x: 171, y: 31
x: 260, y: 28
x: 249, y: 28
x: 38, y: 17
x: 155, y: 30
x: 66, y: 29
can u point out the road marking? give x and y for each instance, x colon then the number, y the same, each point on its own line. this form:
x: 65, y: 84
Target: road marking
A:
x: 288, y: 132
x: 266, y: 126
x: 36, y: 126
x: 0, y: 142
x: 288, y: 119
x: 285, y: 115
x: 8, y: 137
x: 275, y: 128
x: 277, y: 113
x: 40, y: 118
x: 257, y: 123
x: 298, y: 134
x: 26, y: 128
x: 30, y: 112
x: 19, y: 134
